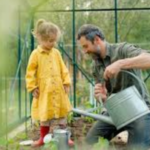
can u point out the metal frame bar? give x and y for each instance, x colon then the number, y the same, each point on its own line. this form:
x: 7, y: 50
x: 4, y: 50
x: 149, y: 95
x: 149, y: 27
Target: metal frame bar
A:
x: 103, y: 9
x: 19, y: 58
x: 74, y: 52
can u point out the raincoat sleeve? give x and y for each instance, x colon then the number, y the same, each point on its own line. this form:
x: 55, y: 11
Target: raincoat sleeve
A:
x: 31, y: 72
x: 64, y: 71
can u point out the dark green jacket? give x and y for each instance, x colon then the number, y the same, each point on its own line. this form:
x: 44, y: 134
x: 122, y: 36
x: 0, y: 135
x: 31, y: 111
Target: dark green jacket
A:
x: 115, y: 52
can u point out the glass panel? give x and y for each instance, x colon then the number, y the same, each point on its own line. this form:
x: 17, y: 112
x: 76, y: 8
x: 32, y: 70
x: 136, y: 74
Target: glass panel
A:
x: 133, y: 4
x: 133, y: 26
x: 56, y: 5
x: 104, y: 20
x: 94, y: 4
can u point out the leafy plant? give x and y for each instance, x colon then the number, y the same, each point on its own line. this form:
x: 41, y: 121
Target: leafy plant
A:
x: 87, y: 105
x: 102, y: 144
x: 89, y: 119
x: 3, y: 141
x: 70, y: 118
x: 84, y: 129
x: 52, y: 145
x: 22, y: 136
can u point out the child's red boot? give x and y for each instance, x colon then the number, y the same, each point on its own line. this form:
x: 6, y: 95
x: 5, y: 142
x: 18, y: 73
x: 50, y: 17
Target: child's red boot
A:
x: 43, y: 131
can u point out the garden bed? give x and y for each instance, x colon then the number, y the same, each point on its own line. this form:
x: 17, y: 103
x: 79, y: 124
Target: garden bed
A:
x: 79, y: 128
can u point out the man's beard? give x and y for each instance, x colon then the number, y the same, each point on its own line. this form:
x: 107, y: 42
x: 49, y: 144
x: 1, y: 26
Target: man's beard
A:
x: 98, y: 49
x: 97, y: 53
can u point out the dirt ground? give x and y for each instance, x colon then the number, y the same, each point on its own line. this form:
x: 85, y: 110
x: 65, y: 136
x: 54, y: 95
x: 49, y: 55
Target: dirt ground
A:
x: 79, y: 128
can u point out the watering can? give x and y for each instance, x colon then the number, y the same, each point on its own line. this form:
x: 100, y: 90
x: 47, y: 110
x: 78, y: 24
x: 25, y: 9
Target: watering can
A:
x: 124, y: 107
x: 62, y: 137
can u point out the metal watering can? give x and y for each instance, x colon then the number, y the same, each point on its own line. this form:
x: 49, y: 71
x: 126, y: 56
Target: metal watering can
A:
x: 124, y: 107
x: 61, y: 137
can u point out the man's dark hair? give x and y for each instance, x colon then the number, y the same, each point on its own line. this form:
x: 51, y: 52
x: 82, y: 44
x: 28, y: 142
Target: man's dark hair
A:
x: 89, y: 32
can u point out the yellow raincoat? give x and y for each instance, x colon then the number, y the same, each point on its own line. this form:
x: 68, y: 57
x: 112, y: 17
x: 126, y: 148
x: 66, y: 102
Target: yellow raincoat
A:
x: 47, y: 71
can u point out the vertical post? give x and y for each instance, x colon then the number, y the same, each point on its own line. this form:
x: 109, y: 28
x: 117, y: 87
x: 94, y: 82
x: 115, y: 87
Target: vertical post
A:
x: 116, y: 22
x: 26, y: 97
x: 1, y: 102
x: 6, y: 109
x: 19, y: 59
x: 32, y: 47
x: 74, y: 52
x: 32, y: 38
x: 26, y: 111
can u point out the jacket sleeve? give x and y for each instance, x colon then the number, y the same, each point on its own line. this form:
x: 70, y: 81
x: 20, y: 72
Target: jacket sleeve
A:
x: 31, y: 72
x: 127, y: 50
x: 64, y: 71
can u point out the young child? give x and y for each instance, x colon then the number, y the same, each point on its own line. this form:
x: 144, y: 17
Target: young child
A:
x: 47, y: 78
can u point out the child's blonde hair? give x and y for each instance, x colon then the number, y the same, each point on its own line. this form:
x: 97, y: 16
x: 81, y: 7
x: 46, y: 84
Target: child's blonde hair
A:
x: 45, y: 29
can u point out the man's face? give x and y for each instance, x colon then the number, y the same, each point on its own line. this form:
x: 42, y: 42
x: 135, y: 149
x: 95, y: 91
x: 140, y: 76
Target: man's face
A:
x: 89, y: 47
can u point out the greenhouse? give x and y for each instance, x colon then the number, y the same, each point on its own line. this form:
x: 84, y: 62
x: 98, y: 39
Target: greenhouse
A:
x: 121, y: 22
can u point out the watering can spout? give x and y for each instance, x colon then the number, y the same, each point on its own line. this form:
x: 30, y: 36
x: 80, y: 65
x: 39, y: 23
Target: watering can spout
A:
x: 95, y: 116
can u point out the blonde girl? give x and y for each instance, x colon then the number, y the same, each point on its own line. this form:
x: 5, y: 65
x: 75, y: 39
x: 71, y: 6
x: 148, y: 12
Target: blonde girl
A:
x: 47, y: 78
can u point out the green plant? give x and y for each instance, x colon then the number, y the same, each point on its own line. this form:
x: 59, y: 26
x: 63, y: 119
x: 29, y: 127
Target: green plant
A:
x: 84, y: 129
x: 70, y: 118
x: 52, y: 145
x: 22, y: 136
x: 87, y: 105
x: 89, y: 119
x: 102, y: 144
x: 3, y: 141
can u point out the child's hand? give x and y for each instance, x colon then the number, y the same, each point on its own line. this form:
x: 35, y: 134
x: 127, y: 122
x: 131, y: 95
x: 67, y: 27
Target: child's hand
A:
x: 36, y: 93
x: 67, y: 88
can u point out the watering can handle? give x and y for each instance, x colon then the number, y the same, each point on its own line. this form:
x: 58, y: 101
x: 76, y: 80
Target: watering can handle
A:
x: 100, y: 101
x: 141, y: 83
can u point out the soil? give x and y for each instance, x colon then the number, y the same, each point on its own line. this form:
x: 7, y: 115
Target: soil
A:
x: 79, y: 128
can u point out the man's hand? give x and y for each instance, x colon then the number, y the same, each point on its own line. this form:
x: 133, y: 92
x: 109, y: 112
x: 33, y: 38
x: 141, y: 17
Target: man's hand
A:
x: 36, y: 93
x: 100, y: 91
x: 112, y: 70
x: 67, y: 88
